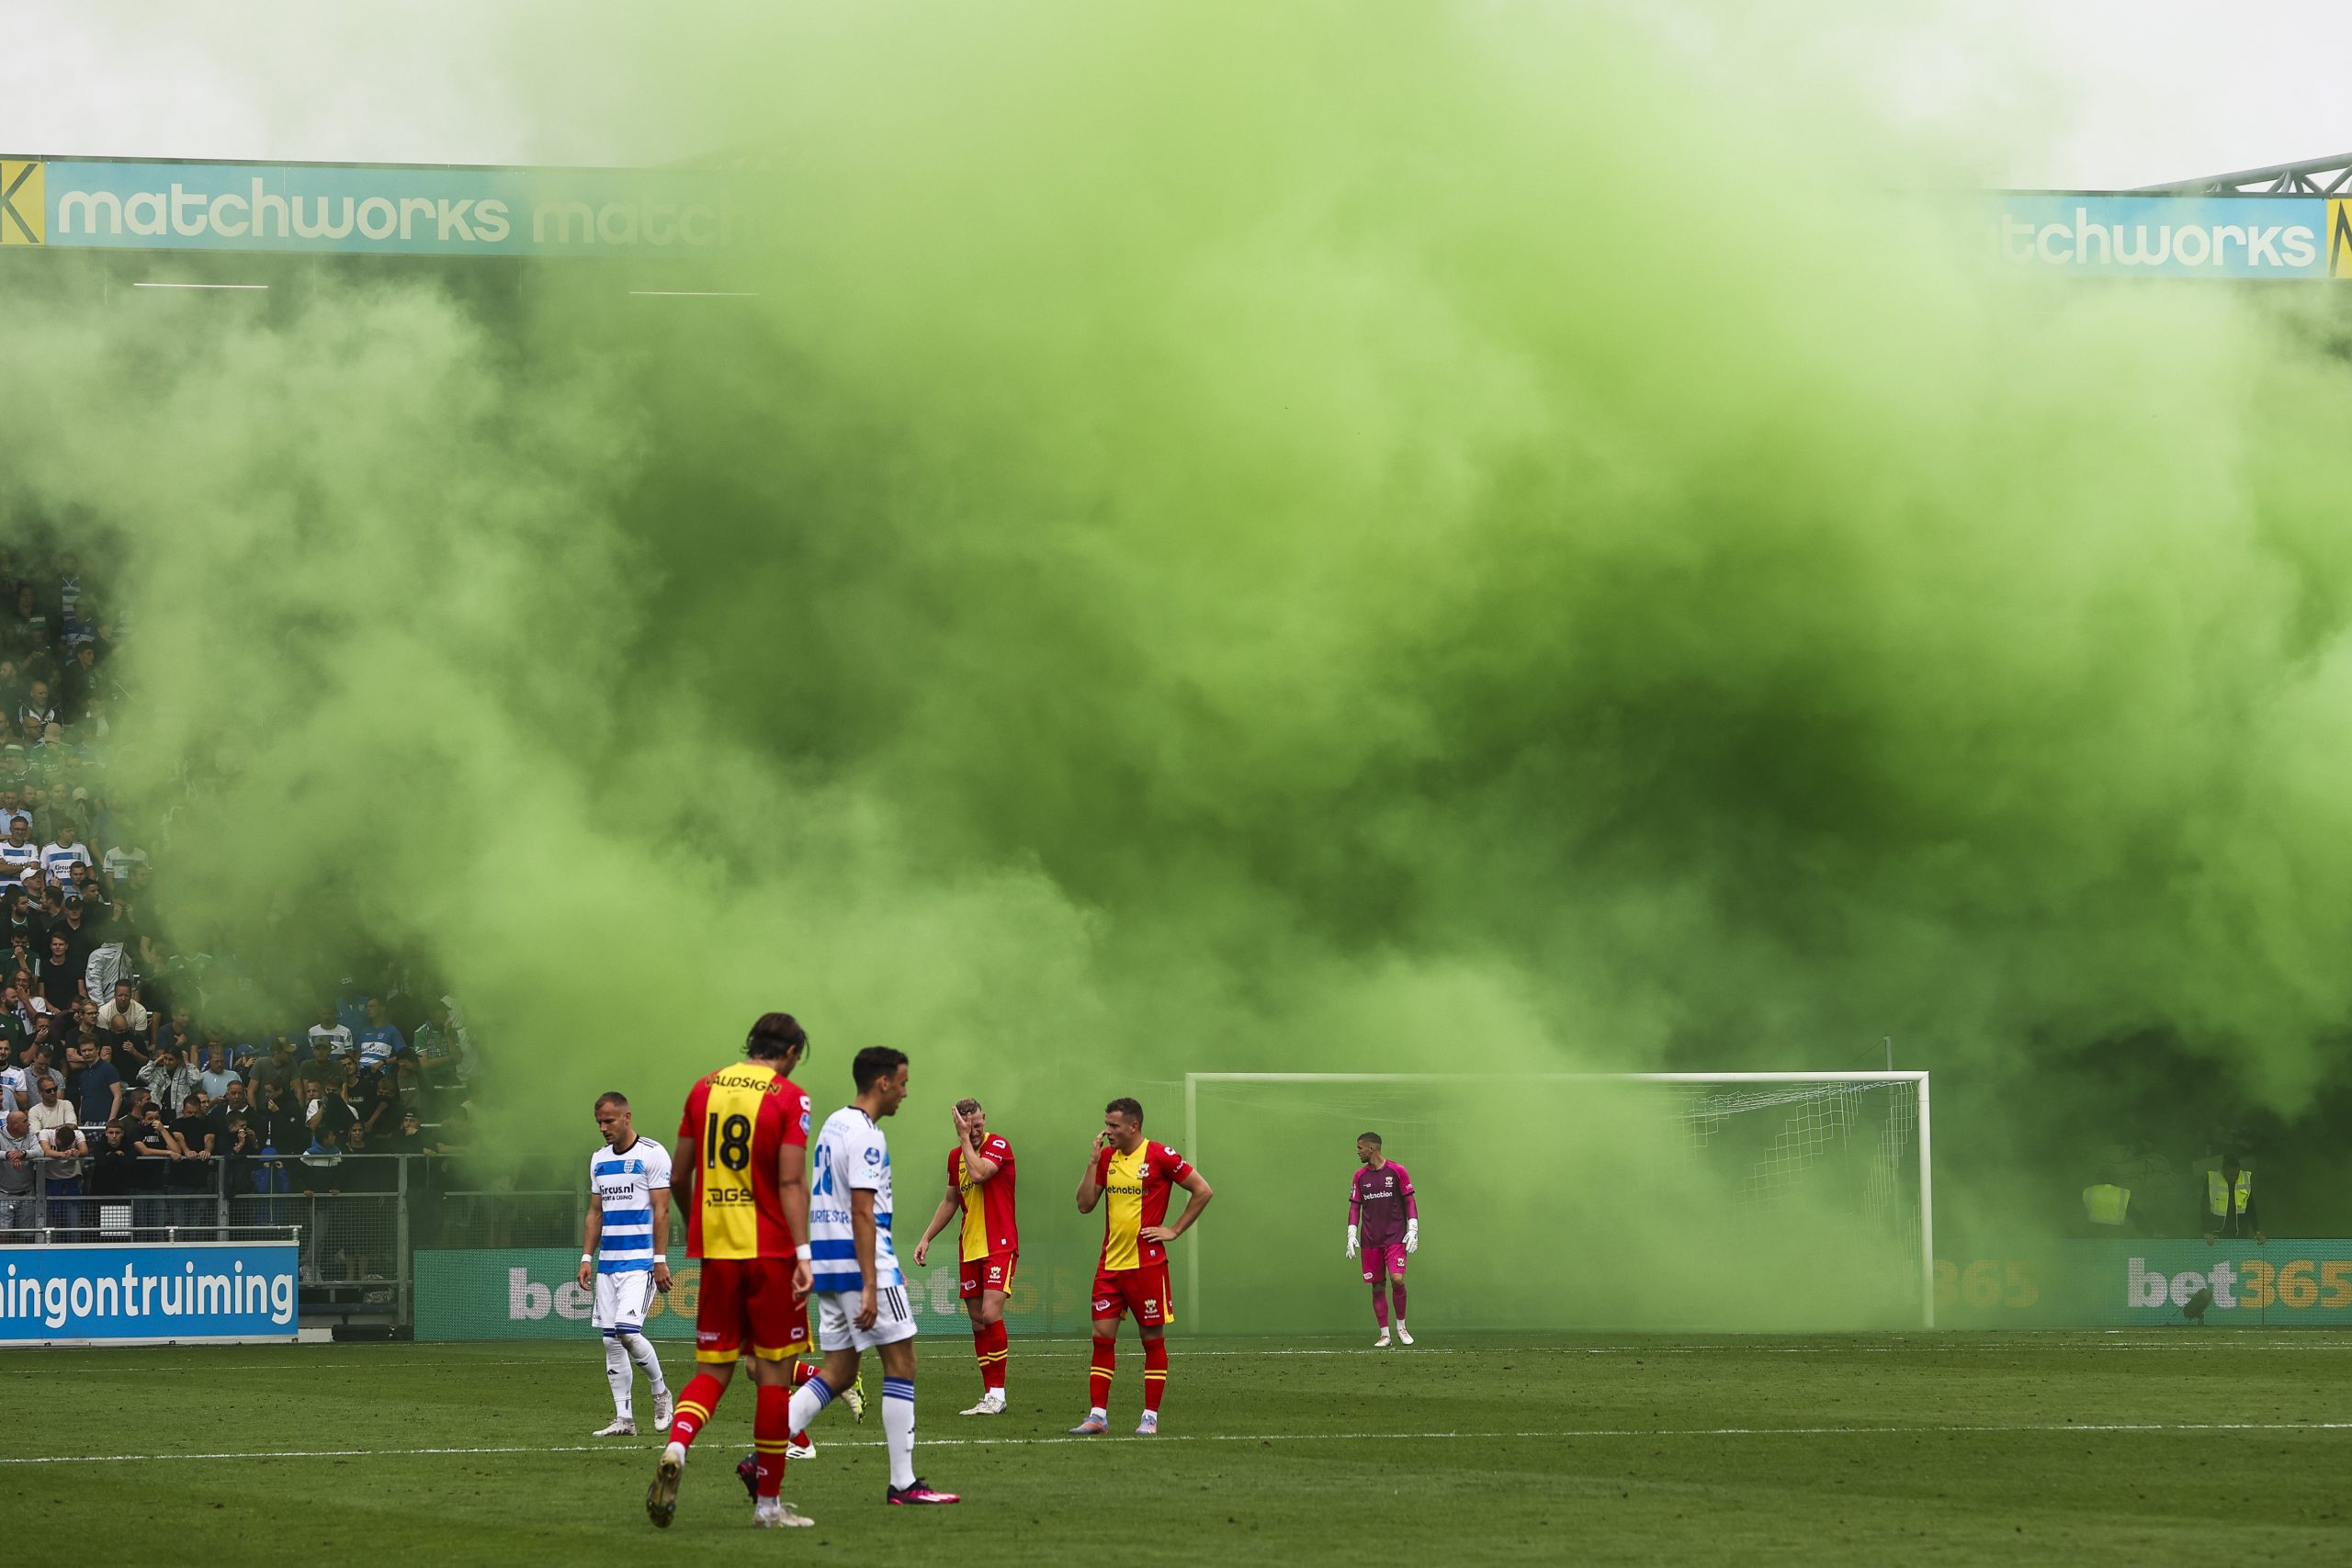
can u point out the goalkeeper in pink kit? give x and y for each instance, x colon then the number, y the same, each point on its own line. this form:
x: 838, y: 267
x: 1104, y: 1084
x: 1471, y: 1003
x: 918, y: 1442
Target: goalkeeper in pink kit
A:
x: 1385, y: 1223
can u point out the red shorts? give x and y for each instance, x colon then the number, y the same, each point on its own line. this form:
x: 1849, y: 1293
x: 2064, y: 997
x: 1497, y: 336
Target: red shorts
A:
x: 993, y: 1273
x: 1143, y: 1292
x: 1385, y: 1261
x: 746, y: 1305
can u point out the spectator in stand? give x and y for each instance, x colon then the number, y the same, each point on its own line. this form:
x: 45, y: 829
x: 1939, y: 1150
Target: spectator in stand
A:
x: 279, y: 1118
x: 78, y: 683
x: 98, y: 1091
x: 81, y: 934
x: 37, y: 711
x: 28, y: 628
x: 200, y: 1143
x: 51, y: 1110
x: 12, y: 808
x: 113, y: 1170
x: 379, y: 1040
x: 169, y: 1079
x: 176, y: 1032
x: 18, y: 852
x: 351, y: 1006
x: 332, y: 1117
x: 61, y: 978
x: 15, y: 1082
x: 62, y: 1152
x: 275, y: 1066
x: 375, y: 1098
x: 333, y: 1029
x: 63, y: 851
x: 19, y: 1154
x: 323, y: 1068
x: 217, y: 1075
x: 123, y: 1007
x: 81, y: 882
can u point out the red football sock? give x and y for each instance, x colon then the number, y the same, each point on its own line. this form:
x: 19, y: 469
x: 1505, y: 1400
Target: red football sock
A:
x: 695, y: 1402
x: 1380, y: 1306
x: 769, y: 1418
x: 1098, y: 1383
x: 1397, y: 1294
x: 1154, y: 1372
x: 993, y: 1370
x: 980, y: 1341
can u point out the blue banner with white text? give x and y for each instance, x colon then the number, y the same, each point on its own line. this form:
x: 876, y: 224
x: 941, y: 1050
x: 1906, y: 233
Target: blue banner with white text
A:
x: 2105, y: 235
x: 141, y: 1294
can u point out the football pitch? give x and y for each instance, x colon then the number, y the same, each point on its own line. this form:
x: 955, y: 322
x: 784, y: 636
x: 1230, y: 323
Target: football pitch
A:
x: 2139, y: 1448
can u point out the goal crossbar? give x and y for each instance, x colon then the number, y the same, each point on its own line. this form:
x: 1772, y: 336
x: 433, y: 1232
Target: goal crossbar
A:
x: 1927, y: 1185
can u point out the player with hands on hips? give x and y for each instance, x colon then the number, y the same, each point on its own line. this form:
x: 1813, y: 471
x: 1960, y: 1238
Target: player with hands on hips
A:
x: 1385, y: 1224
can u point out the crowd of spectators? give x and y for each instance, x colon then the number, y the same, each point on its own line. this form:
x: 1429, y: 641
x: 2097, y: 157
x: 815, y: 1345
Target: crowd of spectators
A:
x: 131, y: 1071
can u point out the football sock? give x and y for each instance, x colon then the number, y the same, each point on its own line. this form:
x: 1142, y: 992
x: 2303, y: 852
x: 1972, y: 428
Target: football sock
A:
x: 640, y: 1351
x: 993, y: 1358
x: 806, y: 1400
x: 1097, y: 1381
x: 770, y: 1429
x: 1397, y: 1294
x: 617, y: 1373
x: 981, y: 1338
x: 1154, y: 1372
x: 695, y: 1402
x: 801, y: 1372
x: 898, y: 1428
x: 1380, y: 1306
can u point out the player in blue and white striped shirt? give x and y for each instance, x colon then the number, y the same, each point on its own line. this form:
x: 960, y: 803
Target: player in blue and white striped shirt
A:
x: 859, y: 1292
x: 625, y: 1257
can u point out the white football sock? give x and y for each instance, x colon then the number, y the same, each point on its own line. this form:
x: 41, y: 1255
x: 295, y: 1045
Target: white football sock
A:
x: 807, y: 1400
x: 898, y: 1428
x: 617, y: 1374
x: 640, y: 1351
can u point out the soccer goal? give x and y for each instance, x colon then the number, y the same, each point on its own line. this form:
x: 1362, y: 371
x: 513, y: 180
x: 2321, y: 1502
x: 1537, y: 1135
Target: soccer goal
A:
x: 1682, y: 1201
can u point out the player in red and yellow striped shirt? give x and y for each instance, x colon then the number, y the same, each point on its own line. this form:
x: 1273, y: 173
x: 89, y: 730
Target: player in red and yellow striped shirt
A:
x: 1136, y: 1174
x: 740, y: 1172
x: 980, y: 1190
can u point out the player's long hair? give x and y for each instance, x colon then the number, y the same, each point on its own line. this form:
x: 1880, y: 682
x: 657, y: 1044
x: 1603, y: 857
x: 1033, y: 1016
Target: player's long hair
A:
x: 777, y: 1035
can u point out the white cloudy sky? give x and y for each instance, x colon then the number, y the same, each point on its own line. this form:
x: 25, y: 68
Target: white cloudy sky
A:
x: 2129, y: 92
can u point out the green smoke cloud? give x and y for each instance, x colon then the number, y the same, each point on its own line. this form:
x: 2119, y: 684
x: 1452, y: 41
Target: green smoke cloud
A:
x: 1242, y: 540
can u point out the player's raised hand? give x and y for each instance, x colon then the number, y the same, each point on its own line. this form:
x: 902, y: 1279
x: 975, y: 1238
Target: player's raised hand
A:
x: 1103, y: 1139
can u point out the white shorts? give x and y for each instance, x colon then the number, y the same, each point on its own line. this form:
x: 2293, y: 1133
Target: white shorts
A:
x: 837, y: 1313
x: 624, y: 1299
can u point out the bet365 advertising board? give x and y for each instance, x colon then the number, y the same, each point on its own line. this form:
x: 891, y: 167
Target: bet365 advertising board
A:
x: 2281, y: 1283
x: 534, y: 1293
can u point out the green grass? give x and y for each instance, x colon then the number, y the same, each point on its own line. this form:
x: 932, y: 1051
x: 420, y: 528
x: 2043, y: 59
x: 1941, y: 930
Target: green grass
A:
x: 2095, y: 1448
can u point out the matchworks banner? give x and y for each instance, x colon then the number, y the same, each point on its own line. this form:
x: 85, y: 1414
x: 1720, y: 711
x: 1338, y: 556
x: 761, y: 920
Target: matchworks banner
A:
x: 534, y: 1293
x: 2177, y: 236
x: 134, y: 1293
x: 2122, y: 1283
x: 347, y: 209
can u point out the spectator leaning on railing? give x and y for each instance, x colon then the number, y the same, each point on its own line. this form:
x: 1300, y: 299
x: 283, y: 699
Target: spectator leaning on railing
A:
x: 18, y: 1154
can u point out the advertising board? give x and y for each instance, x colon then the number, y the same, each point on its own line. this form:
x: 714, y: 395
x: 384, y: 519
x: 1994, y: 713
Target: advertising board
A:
x: 141, y: 1294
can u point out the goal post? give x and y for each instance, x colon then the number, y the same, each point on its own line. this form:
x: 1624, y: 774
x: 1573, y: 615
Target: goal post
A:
x: 1858, y: 1143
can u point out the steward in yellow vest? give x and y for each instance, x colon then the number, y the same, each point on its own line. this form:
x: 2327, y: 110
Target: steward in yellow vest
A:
x: 2229, y: 1204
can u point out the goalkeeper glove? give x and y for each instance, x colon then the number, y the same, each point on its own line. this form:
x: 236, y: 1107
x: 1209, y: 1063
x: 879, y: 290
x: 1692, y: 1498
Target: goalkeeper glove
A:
x: 1412, y: 1235
x: 1352, y: 1241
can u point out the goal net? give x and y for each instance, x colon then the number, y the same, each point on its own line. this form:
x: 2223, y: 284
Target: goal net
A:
x: 1660, y: 1200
